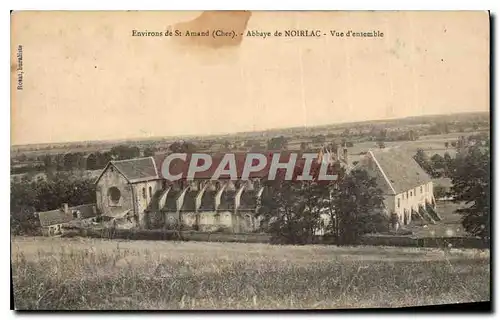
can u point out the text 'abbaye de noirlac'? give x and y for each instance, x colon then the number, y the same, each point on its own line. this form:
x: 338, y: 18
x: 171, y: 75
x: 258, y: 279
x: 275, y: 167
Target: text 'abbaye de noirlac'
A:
x: 292, y: 33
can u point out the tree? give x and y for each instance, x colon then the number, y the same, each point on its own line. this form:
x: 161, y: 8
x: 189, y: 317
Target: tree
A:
x: 318, y: 139
x: 446, y: 144
x: 439, y: 128
x: 358, y: 207
x: 423, y: 160
x: 283, y: 210
x: 182, y: 147
x: 332, y: 146
x: 227, y: 145
x: 346, y: 132
x: 24, y: 222
x: 22, y: 157
x: 148, y: 152
x: 47, y: 162
x: 253, y: 145
x: 439, y: 165
x: 304, y: 146
x: 92, y: 162
x: 381, y: 144
x: 292, y: 209
x: 461, y: 143
x: 478, y: 139
x: 470, y: 176
x: 103, y: 159
x: 448, y: 164
x: 439, y: 191
x: 123, y: 152
x: 412, y: 135
x: 28, y: 197
x: 277, y: 143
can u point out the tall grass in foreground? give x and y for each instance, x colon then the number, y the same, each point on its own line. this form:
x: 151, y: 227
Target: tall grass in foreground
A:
x: 86, y: 277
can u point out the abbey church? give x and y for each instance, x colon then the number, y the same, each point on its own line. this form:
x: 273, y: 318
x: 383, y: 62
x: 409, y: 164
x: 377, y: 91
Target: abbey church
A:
x: 132, y: 193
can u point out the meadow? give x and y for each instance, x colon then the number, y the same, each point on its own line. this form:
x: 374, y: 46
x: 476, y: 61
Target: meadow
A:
x: 90, y: 274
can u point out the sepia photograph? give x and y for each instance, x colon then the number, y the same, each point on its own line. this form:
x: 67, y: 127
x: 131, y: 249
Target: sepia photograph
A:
x: 250, y: 160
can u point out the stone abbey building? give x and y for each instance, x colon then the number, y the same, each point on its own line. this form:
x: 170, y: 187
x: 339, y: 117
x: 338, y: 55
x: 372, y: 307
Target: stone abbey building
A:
x: 132, y: 193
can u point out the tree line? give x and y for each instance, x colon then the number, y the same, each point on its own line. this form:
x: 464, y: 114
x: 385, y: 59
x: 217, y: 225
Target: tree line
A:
x: 344, y: 209
x: 28, y: 197
x: 293, y: 210
x: 470, y: 176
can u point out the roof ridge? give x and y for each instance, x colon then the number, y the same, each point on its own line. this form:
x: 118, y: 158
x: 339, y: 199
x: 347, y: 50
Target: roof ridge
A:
x: 131, y: 159
x: 382, y: 171
x: 156, y: 168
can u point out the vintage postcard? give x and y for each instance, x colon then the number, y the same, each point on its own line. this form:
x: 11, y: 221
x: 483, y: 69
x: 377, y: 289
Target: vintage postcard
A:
x: 227, y: 160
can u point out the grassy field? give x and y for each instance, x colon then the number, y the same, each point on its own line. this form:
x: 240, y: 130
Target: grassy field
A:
x: 52, y: 273
x: 432, y: 144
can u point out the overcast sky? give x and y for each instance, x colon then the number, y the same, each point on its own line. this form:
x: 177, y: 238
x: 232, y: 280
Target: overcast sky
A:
x: 87, y: 78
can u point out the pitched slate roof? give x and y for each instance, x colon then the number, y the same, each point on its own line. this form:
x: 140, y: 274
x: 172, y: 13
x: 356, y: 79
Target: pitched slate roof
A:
x: 138, y: 169
x: 399, y: 170
x: 150, y: 168
x: 179, y: 166
x: 52, y: 217
x: 59, y: 216
x: 134, y: 170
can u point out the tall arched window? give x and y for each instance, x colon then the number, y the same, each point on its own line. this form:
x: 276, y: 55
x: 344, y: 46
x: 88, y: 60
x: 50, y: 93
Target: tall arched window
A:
x: 144, y: 193
x: 150, y: 192
x: 114, y: 196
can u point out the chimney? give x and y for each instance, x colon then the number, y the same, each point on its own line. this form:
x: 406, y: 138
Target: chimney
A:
x: 346, y: 156
x: 65, y: 207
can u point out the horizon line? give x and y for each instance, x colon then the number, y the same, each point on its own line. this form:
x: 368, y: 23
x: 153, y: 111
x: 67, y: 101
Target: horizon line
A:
x: 181, y: 137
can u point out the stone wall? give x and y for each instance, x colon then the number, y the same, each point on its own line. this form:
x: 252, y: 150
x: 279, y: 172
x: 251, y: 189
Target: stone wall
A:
x: 109, y: 179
